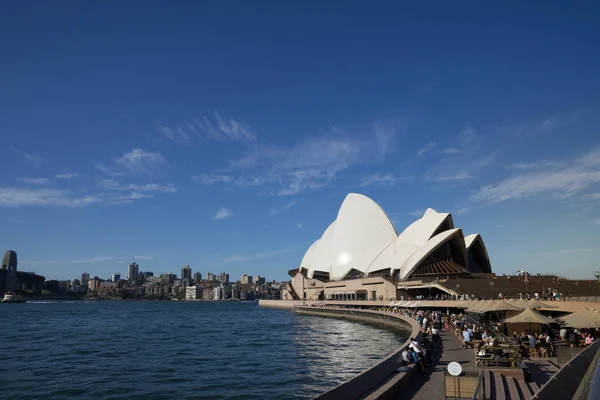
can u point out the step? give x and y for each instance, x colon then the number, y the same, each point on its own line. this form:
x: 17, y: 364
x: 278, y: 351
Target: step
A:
x: 525, y: 391
x: 499, y: 387
x: 488, y: 384
x: 534, y: 387
x: 511, y: 385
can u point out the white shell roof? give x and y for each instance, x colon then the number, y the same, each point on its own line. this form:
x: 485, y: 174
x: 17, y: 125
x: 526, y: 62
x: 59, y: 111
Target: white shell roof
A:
x: 309, y: 257
x: 413, y: 262
x: 363, y: 238
x: 392, y: 257
x: 471, y: 239
x: 361, y: 227
x: 420, y: 231
x: 322, y: 258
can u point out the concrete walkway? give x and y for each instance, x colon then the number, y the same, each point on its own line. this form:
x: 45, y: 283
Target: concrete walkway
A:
x: 430, y: 385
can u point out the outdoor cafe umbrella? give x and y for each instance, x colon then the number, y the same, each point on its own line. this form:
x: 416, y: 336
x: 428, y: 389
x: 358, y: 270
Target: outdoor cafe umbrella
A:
x: 532, y: 303
x: 585, y: 318
x: 493, y: 305
x: 531, y: 316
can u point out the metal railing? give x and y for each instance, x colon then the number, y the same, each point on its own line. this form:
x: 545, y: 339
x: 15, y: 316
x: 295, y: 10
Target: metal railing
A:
x: 589, y: 388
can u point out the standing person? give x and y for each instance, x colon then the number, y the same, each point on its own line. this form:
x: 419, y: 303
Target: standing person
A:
x: 435, y: 336
x: 426, y: 346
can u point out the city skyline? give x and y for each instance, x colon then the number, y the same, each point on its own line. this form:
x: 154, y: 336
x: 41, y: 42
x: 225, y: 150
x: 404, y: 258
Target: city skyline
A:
x: 190, y: 135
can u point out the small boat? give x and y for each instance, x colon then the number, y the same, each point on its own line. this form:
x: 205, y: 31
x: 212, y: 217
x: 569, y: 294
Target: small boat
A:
x: 12, y: 298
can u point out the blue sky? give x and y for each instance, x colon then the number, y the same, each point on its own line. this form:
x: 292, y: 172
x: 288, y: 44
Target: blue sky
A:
x: 226, y: 134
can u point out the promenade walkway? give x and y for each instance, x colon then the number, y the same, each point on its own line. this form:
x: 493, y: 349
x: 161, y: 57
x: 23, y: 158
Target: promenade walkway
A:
x: 430, y: 385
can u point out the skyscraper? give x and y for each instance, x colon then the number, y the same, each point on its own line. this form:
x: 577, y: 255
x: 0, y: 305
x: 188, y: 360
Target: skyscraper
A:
x: 210, y: 277
x: 246, y: 279
x: 133, y: 272
x: 85, y: 277
x: 186, y: 272
x: 197, y: 278
x: 8, y: 272
x: 223, y: 277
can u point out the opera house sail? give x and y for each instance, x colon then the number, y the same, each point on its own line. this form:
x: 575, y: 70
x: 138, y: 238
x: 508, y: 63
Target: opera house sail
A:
x: 363, y: 244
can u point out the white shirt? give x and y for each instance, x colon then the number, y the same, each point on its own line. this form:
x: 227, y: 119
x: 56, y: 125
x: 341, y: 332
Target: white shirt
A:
x: 435, y: 331
x: 405, y: 356
x: 415, y: 347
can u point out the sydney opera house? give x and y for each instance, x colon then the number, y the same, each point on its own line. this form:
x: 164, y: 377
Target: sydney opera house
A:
x: 361, y: 256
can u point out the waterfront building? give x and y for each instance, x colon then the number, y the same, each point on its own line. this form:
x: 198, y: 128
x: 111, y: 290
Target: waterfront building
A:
x: 94, y: 284
x: 85, y: 277
x: 260, y: 280
x: 218, y: 292
x: 246, y: 279
x: 361, y: 255
x: 168, y: 278
x: 116, y: 277
x: 8, y: 272
x: 143, y: 276
x: 133, y: 272
x: 224, y: 278
x: 186, y: 272
x: 210, y: 277
x: 193, y: 292
x: 197, y: 278
x: 207, y: 293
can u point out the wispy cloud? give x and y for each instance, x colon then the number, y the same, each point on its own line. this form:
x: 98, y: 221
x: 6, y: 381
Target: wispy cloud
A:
x: 300, y: 226
x: 284, y: 207
x: 111, y: 184
x: 563, y: 180
x: 255, y: 256
x: 17, y: 197
x: 417, y: 213
x: 67, y: 175
x: 387, y: 179
x: 205, y: 129
x: 596, y: 221
x: 570, y: 251
x: 33, y: 159
x: 593, y: 196
x: 223, y: 213
x: 143, y: 258
x: 461, y: 211
x: 425, y: 149
x: 450, y: 150
x: 308, y: 165
x: 522, y: 166
x: 143, y: 163
x: 109, y: 171
x: 96, y: 259
x: 35, y: 181
x: 452, y: 172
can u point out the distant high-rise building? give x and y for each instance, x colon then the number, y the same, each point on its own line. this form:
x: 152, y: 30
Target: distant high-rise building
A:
x: 186, y: 272
x: 246, y: 279
x: 210, y: 277
x: 116, y: 277
x: 260, y: 280
x: 197, y: 278
x: 8, y: 272
x: 224, y: 278
x: 133, y: 272
x: 85, y: 277
x: 168, y: 278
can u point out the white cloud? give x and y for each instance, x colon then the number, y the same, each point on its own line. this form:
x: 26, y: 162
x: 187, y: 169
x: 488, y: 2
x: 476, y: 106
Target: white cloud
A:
x: 255, y: 256
x: 596, y: 221
x: 387, y: 179
x: 96, y: 259
x: 111, y: 184
x: 17, y: 197
x: 35, y: 181
x: 108, y: 171
x: 143, y: 258
x: 284, y: 207
x: 308, y: 165
x: 223, y: 213
x: 461, y: 211
x: 450, y: 150
x: 563, y: 180
x: 216, y: 128
x: 534, y: 165
x: 425, y: 149
x: 67, y: 175
x: 140, y: 162
x: 300, y: 226
x: 417, y: 213
x: 458, y: 170
x: 33, y: 159
x: 593, y: 196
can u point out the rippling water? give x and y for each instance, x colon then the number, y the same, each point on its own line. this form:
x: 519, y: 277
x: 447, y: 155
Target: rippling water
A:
x: 178, y: 350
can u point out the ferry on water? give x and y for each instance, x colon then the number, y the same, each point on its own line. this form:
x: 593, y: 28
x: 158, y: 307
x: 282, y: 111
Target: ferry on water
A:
x: 12, y: 298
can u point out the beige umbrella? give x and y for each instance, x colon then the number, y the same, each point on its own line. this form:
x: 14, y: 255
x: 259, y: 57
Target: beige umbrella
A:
x: 533, y: 303
x: 585, y: 318
x: 531, y: 316
x: 493, y: 305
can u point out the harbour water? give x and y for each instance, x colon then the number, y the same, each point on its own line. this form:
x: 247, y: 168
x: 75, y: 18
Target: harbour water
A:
x: 178, y: 350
